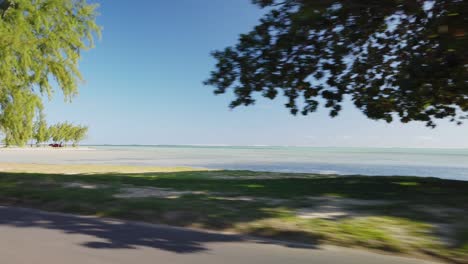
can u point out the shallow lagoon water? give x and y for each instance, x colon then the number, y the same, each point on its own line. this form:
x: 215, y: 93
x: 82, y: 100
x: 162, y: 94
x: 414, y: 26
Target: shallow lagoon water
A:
x: 442, y: 163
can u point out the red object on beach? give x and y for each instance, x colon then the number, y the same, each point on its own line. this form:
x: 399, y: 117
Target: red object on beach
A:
x: 55, y: 145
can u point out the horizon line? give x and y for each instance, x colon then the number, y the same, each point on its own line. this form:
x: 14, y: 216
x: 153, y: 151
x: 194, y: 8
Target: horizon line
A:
x: 262, y: 146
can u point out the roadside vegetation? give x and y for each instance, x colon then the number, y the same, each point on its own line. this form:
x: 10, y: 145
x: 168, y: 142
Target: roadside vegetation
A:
x: 423, y: 217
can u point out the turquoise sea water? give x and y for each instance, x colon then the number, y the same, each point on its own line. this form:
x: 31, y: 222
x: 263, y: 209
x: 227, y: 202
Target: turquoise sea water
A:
x: 443, y: 163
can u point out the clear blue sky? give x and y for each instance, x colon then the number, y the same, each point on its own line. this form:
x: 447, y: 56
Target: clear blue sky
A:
x: 144, y: 86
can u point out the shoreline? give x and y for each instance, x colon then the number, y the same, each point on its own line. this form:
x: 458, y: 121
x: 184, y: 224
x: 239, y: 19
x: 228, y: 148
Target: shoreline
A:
x: 71, y: 169
x: 447, y: 164
x: 96, y: 168
x: 45, y: 148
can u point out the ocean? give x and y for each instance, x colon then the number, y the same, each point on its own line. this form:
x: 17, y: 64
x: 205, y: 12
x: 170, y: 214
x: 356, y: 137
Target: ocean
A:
x: 442, y: 163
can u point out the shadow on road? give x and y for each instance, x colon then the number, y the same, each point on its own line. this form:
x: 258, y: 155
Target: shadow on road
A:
x: 116, y: 234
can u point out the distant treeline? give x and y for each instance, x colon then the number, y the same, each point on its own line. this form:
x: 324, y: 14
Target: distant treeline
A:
x: 40, y: 132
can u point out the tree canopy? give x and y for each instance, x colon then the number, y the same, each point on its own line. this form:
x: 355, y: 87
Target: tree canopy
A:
x: 67, y: 132
x: 40, y: 41
x: 391, y: 58
x: 17, y: 117
x: 41, y: 132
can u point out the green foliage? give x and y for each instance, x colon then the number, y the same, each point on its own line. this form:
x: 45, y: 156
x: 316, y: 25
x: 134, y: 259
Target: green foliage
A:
x: 54, y: 133
x: 43, y: 39
x: 16, y: 118
x: 79, y: 133
x: 66, y: 132
x: 41, y: 132
x: 39, y: 41
x: 391, y: 58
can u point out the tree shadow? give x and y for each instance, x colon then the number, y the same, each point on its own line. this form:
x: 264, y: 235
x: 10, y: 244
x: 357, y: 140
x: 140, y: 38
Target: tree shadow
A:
x: 208, y: 210
x: 116, y: 234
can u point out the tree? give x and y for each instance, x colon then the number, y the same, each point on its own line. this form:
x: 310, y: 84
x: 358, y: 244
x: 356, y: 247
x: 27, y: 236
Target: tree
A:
x: 41, y: 132
x: 16, y: 118
x: 56, y: 133
x: 79, y: 134
x: 40, y: 41
x: 392, y: 59
x: 66, y: 132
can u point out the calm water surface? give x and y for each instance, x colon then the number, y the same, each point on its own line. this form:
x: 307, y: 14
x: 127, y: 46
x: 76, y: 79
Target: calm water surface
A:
x: 443, y: 163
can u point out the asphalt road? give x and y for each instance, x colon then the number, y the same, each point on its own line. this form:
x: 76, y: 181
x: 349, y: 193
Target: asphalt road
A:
x: 30, y: 236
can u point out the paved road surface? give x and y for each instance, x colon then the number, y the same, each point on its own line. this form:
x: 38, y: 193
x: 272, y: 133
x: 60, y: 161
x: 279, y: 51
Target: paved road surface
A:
x: 34, y: 237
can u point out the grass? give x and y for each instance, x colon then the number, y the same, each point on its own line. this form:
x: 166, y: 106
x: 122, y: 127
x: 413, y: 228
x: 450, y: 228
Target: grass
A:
x: 407, y: 215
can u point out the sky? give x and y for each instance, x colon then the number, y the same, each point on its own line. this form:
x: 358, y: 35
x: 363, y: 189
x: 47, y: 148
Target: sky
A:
x: 143, y: 85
